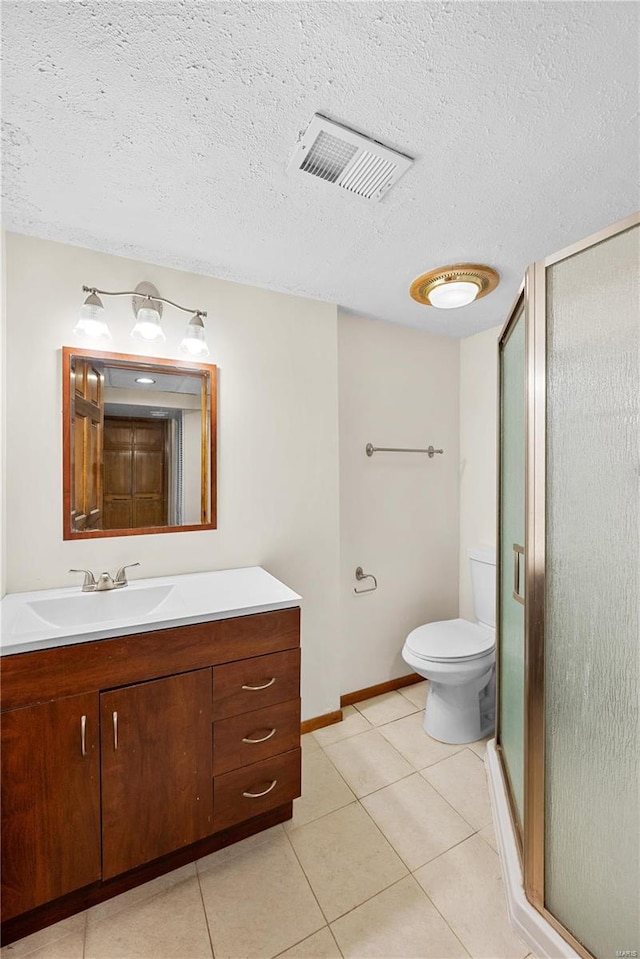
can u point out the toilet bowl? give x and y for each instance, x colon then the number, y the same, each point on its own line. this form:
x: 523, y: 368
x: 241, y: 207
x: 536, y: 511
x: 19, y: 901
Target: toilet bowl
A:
x: 458, y: 659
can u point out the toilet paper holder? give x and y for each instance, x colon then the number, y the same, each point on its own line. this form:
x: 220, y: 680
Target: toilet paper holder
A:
x: 360, y: 575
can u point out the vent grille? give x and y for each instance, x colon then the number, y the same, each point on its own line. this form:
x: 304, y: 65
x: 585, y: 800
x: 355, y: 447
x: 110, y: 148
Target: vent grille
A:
x: 368, y: 174
x: 328, y: 157
x: 351, y: 161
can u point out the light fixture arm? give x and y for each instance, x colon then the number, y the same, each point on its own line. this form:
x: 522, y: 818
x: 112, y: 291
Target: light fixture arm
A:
x: 144, y: 296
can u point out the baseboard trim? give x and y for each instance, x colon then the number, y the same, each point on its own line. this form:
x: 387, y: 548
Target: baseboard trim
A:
x: 328, y: 719
x: 356, y: 697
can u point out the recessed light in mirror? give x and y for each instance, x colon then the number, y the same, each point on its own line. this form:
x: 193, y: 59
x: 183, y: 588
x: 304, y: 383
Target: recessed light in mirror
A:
x: 144, y: 379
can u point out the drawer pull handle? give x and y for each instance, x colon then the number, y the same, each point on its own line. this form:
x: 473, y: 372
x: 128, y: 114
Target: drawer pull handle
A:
x: 264, y: 685
x: 246, y: 739
x: 83, y: 735
x: 115, y: 729
x: 263, y: 793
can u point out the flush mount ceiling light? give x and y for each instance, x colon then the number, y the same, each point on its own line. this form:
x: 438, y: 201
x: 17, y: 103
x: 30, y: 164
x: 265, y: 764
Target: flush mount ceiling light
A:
x: 146, y: 380
x: 450, y: 287
x: 147, y: 309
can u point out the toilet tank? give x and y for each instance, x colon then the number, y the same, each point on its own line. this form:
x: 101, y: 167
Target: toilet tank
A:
x: 483, y: 582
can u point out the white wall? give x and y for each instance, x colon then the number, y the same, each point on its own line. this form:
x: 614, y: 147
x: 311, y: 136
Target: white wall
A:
x: 3, y: 413
x: 398, y: 511
x: 478, y: 439
x: 278, y: 436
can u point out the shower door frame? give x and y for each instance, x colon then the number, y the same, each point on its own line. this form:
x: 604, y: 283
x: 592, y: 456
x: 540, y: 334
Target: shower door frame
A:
x: 531, y: 834
x: 518, y: 312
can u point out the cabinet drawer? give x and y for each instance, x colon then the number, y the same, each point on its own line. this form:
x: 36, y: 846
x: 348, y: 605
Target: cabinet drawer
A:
x: 253, y: 683
x: 252, y: 790
x: 250, y: 737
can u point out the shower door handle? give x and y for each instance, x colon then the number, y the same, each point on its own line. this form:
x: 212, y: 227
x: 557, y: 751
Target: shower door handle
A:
x: 517, y: 552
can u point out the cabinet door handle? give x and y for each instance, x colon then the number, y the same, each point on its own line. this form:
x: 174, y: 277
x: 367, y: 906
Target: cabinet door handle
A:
x: 246, y: 739
x: 264, y: 685
x: 115, y: 729
x: 83, y: 735
x: 263, y: 793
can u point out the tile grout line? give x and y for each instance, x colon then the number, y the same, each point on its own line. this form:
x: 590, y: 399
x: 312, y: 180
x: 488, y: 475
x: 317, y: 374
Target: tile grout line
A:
x: 301, y: 941
x: 425, y: 894
x: 444, y: 852
x: 433, y: 786
x: 206, y: 917
x: 369, y: 898
x: 400, y: 756
x: 444, y: 919
x: 414, y: 771
x: 395, y: 881
x: 387, y: 722
x: 324, y: 815
x: 313, y: 892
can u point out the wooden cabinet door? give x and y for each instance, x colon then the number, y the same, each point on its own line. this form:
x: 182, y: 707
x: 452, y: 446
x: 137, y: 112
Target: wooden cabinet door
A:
x: 157, y: 793
x: 51, y: 801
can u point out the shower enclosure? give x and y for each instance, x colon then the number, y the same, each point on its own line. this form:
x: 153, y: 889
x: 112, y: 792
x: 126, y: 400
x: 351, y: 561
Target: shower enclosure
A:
x: 569, y: 589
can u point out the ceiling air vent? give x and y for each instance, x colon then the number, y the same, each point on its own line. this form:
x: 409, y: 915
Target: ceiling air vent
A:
x: 353, y: 162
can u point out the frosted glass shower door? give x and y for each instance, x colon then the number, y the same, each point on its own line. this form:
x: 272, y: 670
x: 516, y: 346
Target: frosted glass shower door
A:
x: 511, y: 537
x: 592, y: 604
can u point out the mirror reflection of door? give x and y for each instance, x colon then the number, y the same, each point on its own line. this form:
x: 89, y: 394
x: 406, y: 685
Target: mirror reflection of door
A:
x: 135, y: 472
x: 88, y: 399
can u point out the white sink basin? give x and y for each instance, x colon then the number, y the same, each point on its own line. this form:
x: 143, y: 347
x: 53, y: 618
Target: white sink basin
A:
x: 58, y: 617
x: 88, y: 609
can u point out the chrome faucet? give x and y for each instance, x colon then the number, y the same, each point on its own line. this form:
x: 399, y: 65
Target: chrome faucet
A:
x: 104, y: 580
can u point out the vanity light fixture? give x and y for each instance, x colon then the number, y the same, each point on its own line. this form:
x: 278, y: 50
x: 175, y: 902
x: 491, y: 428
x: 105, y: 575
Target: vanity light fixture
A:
x: 450, y: 287
x: 91, y: 321
x: 193, y: 341
x: 147, y: 309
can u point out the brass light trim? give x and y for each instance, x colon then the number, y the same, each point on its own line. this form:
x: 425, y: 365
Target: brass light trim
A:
x: 484, y: 277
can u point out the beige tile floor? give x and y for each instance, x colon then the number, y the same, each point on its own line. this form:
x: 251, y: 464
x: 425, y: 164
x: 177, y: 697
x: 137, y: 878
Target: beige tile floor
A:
x: 390, y: 854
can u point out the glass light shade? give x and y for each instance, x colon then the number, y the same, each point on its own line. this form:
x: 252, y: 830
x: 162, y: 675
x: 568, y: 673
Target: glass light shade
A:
x: 194, y: 342
x: 147, y: 325
x: 448, y: 296
x: 91, y: 321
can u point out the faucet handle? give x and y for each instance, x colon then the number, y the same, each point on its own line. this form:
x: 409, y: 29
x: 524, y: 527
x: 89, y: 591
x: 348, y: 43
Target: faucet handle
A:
x: 120, y: 577
x: 89, y: 579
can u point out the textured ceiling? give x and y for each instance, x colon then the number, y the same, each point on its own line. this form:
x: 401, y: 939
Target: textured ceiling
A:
x: 162, y: 131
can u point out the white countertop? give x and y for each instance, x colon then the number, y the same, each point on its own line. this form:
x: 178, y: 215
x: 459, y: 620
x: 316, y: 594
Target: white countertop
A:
x: 61, y: 617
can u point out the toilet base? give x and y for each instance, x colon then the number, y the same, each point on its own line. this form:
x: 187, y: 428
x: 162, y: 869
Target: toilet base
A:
x: 453, y: 714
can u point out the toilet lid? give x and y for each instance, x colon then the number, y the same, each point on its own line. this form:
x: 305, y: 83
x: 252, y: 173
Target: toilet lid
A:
x: 451, y: 639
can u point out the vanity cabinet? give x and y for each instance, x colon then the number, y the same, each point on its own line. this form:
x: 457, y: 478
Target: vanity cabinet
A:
x: 125, y: 757
x: 50, y: 764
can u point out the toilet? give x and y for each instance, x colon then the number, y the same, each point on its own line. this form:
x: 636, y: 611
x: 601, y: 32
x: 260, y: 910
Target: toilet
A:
x: 458, y: 659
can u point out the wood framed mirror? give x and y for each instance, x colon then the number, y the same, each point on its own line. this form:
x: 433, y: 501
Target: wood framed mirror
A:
x: 139, y: 445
